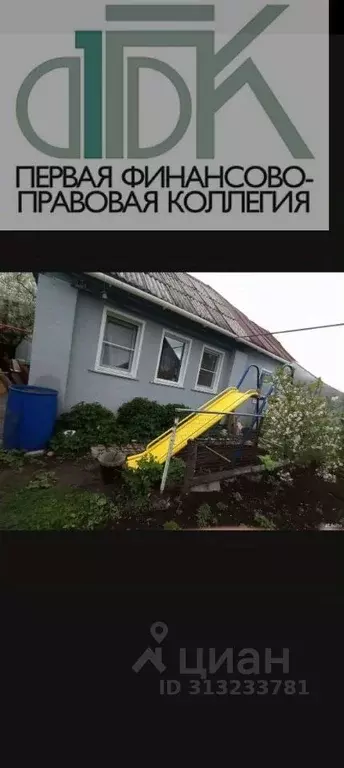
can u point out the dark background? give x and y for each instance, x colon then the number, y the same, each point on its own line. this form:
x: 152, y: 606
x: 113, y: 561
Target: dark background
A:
x: 76, y: 610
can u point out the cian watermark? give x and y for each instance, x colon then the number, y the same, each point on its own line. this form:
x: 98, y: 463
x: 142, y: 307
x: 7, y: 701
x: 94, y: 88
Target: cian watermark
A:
x: 232, y: 672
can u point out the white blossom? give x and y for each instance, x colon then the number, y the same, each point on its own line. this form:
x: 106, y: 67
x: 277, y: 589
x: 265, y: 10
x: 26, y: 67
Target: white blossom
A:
x: 301, y: 425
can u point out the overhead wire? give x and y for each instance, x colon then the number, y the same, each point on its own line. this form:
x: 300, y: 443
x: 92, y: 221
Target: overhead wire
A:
x: 290, y: 330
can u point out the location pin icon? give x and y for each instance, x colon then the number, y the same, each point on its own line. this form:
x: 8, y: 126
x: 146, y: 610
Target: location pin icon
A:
x: 159, y: 631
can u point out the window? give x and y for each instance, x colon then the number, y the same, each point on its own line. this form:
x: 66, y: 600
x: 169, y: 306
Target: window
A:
x: 265, y: 380
x: 173, y: 358
x: 119, y: 344
x: 209, y: 370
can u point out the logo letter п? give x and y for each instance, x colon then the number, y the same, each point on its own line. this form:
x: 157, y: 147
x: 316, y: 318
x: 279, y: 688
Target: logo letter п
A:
x: 72, y: 64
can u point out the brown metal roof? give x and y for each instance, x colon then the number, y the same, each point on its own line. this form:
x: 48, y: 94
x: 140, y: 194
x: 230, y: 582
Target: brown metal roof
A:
x: 187, y: 292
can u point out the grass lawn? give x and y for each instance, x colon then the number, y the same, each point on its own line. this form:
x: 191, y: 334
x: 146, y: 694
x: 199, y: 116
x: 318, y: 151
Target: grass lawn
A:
x: 47, y: 494
x: 54, y: 509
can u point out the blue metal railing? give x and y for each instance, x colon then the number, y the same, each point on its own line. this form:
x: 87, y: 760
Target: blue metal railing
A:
x: 258, y: 381
x: 245, y: 374
x: 264, y: 398
x: 261, y: 401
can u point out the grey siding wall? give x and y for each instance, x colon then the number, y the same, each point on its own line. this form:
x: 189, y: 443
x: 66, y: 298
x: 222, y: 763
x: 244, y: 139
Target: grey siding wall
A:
x: 84, y: 383
x: 239, y: 364
x: 53, y: 333
x: 255, y: 358
x: 65, y: 342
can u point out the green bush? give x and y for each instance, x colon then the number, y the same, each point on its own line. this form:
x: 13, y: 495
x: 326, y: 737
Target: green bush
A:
x: 140, y: 482
x: 143, y: 420
x: 204, y: 516
x: 169, y: 413
x: 87, y: 416
x: 140, y: 419
x: 176, y: 472
x: 269, y: 464
x: 71, y: 445
x: 171, y: 525
x: 93, y: 425
x: 264, y: 522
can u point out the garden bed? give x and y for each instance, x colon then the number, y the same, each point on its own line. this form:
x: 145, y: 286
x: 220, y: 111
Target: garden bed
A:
x: 72, y: 473
x: 302, y: 501
x: 64, y: 489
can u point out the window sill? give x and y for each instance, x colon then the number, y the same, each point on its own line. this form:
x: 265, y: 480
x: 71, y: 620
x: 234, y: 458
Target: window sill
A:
x: 167, y: 384
x: 202, y: 391
x: 113, y: 373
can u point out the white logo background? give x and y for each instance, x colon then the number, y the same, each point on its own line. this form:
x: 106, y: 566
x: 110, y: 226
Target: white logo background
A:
x: 292, y: 55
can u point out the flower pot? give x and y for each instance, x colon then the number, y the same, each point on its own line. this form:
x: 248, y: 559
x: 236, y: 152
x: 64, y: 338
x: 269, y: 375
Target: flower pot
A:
x: 108, y: 474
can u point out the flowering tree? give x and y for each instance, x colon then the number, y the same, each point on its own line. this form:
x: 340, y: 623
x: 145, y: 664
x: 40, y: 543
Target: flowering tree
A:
x: 302, y: 426
x: 17, y: 305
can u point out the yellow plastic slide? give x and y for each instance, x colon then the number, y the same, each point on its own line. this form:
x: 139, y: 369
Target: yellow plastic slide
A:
x: 193, y: 426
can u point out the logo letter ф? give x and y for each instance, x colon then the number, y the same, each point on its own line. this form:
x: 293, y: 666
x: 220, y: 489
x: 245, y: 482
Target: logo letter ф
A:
x: 72, y: 64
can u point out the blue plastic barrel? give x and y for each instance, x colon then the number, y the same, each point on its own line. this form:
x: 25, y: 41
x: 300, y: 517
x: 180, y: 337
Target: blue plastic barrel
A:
x: 30, y: 418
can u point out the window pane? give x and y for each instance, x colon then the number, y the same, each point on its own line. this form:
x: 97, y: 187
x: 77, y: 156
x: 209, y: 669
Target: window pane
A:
x: 171, y: 359
x: 112, y: 357
x: 177, y: 345
x: 266, y: 383
x: 121, y: 333
x: 205, y: 379
x: 209, y: 361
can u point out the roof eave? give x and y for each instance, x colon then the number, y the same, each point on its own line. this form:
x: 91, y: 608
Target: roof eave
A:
x: 183, y: 312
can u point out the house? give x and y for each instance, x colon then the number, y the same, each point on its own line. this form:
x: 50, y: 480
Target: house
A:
x: 166, y: 336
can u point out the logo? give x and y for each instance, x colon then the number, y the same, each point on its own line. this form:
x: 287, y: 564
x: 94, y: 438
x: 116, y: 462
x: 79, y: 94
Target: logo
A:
x: 111, y: 92
x: 233, y: 672
x: 158, y: 631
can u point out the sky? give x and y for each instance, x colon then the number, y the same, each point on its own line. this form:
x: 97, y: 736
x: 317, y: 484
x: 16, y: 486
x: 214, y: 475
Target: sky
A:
x: 285, y: 300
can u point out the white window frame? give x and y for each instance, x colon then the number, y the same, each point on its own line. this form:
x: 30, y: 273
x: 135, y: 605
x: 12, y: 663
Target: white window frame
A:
x: 109, y: 312
x: 218, y: 372
x: 185, y: 361
x: 267, y: 371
